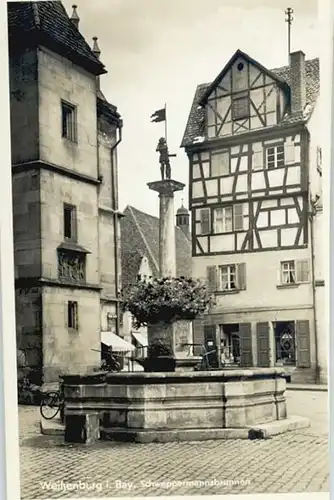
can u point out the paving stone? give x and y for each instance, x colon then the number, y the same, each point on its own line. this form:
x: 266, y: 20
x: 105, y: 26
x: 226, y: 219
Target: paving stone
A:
x: 295, y: 462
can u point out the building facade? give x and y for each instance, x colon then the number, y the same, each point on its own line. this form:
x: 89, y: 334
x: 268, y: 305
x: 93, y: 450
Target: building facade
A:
x: 64, y: 137
x: 255, y: 196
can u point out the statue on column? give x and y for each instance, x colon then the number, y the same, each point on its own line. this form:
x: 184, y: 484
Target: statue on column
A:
x: 165, y: 167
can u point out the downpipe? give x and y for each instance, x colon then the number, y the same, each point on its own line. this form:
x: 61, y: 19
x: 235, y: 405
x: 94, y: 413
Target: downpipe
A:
x: 311, y: 216
x: 116, y: 216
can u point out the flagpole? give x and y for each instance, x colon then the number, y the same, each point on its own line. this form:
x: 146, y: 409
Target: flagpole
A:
x: 166, y: 122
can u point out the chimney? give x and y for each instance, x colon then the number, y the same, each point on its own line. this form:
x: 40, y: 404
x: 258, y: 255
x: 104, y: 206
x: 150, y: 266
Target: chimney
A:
x: 75, y: 18
x: 97, y: 52
x: 96, y: 48
x: 297, y: 82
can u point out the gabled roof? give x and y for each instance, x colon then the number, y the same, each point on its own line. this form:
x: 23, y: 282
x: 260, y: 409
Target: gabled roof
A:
x: 140, y: 237
x: 196, y: 121
x: 237, y: 54
x: 47, y: 23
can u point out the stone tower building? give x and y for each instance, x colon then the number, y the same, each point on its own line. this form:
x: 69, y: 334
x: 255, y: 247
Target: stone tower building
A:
x: 64, y: 136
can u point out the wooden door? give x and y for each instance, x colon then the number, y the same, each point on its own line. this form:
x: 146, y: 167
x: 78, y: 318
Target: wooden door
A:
x: 245, y: 334
x: 263, y: 358
x: 303, y: 344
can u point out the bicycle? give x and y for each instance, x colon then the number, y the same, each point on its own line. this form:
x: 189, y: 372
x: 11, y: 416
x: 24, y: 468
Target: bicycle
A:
x: 52, y: 403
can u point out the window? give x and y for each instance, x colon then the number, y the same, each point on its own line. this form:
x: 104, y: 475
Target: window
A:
x: 228, y: 277
x: 285, y: 345
x: 240, y: 107
x: 72, y: 315
x: 275, y: 157
x: 70, y: 222
x: 228, y: 219
x: 230, y: 344
x: 294, y: 271
x: 232, y: 277
x: 220, y: 164
x: 288, y: 272
x: 68, y: 123
x: 111, y: 323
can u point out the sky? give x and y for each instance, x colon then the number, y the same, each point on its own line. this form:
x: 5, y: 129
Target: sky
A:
x: 158, y: 51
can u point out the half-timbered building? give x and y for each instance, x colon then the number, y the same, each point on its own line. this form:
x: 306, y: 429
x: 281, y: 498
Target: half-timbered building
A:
x: 256, y: 204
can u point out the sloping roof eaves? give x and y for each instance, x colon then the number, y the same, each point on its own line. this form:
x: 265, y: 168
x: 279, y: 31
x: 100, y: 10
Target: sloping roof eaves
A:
x: 47, y: 23
x: 196, y: 121
x: 239, y: 53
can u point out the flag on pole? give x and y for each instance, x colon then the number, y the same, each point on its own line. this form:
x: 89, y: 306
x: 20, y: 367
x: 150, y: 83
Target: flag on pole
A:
x: 159, y: 115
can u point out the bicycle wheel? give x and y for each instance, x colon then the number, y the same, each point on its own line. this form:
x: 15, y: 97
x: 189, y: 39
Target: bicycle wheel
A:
x: 50, y: 405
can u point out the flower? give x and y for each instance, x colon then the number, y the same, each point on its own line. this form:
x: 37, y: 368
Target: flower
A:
x: 165, y: 299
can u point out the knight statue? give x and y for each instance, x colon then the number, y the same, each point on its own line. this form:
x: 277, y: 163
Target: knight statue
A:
x: 165, y: 167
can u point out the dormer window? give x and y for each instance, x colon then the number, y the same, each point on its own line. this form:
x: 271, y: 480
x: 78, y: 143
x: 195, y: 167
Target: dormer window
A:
x: 240, y: 106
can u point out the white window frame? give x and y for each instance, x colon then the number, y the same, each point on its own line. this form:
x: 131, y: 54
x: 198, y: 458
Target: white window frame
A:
x: 72, y: 315
x: 69, y: 127
x: 299, y: 269
x: 275, y: 156
x: 288, y: 272
x: 221, y: 220
x: 230, y: 271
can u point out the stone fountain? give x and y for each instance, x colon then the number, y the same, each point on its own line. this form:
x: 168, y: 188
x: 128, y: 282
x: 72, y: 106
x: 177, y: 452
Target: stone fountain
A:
x: 182, y: 405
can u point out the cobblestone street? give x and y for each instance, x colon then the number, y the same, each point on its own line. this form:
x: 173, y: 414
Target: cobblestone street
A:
x: 295, y: 462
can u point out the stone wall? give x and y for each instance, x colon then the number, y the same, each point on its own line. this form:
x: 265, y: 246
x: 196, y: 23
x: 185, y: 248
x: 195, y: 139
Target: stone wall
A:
x: 132, y: 404
x: 66, y: 350
x: 23, y: 71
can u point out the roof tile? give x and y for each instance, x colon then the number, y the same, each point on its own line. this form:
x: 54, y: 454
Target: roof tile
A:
x: 50, y: 19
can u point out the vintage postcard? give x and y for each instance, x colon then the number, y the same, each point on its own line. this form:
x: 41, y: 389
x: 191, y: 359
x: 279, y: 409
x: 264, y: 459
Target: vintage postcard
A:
x: 164, y: 248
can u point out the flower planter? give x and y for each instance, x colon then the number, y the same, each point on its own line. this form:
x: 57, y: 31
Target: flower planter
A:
x: 160, y: 364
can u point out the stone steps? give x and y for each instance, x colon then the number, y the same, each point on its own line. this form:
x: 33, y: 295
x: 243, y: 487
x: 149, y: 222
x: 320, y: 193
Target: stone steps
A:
x: 262, y: 431
x: 307, y: 387
x: 52, y: 427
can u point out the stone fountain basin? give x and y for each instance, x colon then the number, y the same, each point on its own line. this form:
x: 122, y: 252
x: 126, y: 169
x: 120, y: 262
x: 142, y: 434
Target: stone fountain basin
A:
x: 152, y: 407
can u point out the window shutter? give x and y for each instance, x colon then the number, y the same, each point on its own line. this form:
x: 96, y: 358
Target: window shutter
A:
x: 238, y: 217
x: 198, y: 335
x: 211, y: 278
x: 303, y: 344
x: 74, y: 223
x: 205, y: 220
x: 289, y: 153
x: 302, y: 270
x: 246, y: 355
x: 263, y: 358
x: 241, y: 276
x: 258, y: 160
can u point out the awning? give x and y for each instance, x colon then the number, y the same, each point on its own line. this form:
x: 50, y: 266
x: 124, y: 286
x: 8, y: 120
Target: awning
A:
x: 141, y: 338
x: 115, y: 342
